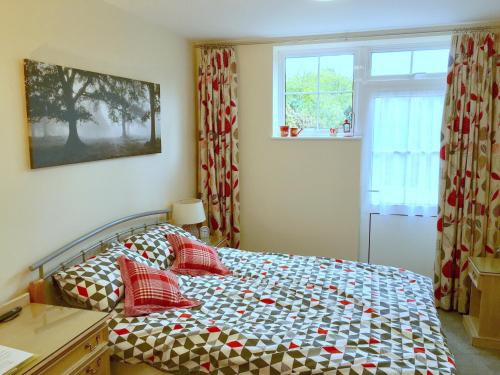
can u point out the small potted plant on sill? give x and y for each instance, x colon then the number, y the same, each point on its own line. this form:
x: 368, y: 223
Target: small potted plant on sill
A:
x: 284, y: 130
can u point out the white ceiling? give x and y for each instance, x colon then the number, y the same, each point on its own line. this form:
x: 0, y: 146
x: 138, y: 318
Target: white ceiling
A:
x: 238, y: 19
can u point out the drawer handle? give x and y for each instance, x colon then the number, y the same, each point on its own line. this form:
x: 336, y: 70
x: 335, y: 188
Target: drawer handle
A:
x: 91, y: 370
x: 91, y: 347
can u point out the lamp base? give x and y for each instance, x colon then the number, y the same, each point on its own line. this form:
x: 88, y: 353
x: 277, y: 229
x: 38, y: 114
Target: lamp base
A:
x: 194, y: 229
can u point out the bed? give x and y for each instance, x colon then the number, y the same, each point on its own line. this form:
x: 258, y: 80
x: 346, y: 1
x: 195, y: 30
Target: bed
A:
x: 284, y: 314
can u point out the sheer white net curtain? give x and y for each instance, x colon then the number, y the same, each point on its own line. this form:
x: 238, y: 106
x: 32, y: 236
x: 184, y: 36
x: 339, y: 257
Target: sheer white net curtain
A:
x: 405, y: 152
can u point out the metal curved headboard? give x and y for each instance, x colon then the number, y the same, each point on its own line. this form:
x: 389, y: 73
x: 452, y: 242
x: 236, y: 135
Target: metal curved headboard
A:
x: 99, y: 245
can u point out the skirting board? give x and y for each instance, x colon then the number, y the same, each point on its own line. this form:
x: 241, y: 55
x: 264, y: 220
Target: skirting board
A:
x: 120, y: 368
x: 470, y: 324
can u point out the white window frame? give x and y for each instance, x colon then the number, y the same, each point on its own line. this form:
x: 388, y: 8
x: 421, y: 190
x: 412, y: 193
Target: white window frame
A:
x: 404, y: 84
x: 412, y: 47
x: 431, y: 88
x: 363, y: 81
x: 282, y: 55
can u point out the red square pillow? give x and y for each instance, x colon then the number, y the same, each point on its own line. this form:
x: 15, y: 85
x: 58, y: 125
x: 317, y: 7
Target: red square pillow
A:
x: 195, y: 258
x: 149, y: 290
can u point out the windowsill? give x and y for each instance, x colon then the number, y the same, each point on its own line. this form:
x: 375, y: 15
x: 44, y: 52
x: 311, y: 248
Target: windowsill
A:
x: 316, y: 138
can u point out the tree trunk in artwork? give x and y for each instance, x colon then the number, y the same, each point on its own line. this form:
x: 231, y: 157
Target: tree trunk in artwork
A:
x: 152, y: 104
x: 124, y: 125
x: 74, y: 140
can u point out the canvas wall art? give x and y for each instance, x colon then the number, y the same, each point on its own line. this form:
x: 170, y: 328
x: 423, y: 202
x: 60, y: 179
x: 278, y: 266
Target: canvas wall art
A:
x: 77, y: 116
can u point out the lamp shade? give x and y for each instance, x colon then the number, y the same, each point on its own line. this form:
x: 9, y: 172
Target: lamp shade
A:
x: 188, y: 211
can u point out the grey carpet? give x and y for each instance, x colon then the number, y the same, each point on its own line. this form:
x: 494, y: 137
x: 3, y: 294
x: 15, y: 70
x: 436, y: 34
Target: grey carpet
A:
x: 469, y: 359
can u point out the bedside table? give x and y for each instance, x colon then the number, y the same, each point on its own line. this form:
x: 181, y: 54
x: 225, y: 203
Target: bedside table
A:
x: 64, y: 340
x: 483, y: 321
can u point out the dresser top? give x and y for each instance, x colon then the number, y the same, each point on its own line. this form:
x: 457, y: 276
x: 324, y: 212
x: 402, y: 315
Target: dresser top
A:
x: 45, y: 329
x: 486, y: 265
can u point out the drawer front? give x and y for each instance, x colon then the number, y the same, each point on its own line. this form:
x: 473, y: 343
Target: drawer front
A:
x: 87, y: 348
x: 97, y: 366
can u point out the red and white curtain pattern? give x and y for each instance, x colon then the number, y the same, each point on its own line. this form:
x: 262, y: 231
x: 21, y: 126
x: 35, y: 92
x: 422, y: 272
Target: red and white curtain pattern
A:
x: 218, y: 180
x: 469, y: 207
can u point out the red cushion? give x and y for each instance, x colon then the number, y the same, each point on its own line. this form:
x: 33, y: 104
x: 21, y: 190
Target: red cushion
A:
x: 195, y: 258
x: 149, y: 289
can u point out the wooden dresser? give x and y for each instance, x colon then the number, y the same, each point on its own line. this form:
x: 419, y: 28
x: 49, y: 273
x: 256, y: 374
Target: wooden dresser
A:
x: 483, y: 321
x: 65, y: 340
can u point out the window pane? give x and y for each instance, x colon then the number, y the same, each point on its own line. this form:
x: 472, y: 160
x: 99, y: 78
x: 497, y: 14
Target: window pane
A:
x: 301, y: 110
x: 301, y: 74
x: 391, y: 63
x: 336, y: 73
x: 430, y: 61
x: 405, y: 159
x: 334, y: 109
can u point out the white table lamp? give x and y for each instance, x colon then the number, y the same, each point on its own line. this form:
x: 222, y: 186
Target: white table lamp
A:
x: 188, y: 213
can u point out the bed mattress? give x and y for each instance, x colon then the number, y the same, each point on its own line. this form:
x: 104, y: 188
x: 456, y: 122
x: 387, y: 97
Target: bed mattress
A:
x: 285, y: 314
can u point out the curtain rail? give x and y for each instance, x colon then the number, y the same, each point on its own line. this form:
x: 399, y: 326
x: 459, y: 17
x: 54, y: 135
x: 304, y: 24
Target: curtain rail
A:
x: 429, y: 31
x: 215, y: 46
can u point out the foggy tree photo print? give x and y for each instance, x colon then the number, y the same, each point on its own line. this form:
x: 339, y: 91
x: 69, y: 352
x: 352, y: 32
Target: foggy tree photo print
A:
x: 77, y: 116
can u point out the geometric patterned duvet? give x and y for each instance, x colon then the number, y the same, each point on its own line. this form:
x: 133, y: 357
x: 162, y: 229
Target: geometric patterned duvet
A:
x: 285, y: 314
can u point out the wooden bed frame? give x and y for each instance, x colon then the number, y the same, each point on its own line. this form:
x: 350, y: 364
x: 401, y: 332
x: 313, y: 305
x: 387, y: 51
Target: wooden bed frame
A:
x: 43, y: 290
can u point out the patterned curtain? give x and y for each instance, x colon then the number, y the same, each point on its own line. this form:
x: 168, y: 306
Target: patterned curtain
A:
x: 218, y: 167
x: 469, y: 206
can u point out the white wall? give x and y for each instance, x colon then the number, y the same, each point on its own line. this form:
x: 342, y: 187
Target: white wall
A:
x: 296, y: 196
x: 43, y: 209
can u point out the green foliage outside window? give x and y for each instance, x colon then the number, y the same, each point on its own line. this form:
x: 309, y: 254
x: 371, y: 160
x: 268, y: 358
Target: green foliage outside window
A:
x: 305, y: 107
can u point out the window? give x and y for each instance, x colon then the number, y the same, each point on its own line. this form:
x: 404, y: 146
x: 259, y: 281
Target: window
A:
x: 318, y: 87
x: 409, y: 62
x: 318, y: 91
x: 405, y: 152
x: 393, y: 93
x: 314, y: 89
x: 405, y: 99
